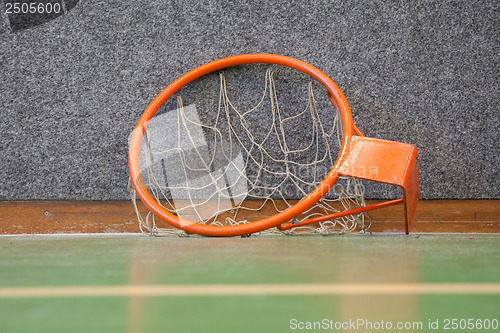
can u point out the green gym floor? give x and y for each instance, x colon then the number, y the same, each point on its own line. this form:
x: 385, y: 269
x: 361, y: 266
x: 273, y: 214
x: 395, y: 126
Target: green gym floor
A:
x: 135, y: 283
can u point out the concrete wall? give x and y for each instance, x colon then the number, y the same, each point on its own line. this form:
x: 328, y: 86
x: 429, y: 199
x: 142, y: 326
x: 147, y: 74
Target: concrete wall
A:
x: 73, y: 86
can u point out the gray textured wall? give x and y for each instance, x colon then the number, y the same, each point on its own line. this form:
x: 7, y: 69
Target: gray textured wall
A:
x: 73, y: 87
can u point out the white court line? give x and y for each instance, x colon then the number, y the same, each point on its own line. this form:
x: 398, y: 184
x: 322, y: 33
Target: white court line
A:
x: 88, y: 234
x: 254, y: 289
x: 134, y: 234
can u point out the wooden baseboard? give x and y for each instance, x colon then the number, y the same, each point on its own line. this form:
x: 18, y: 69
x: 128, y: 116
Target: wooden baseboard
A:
x: 67, y: 217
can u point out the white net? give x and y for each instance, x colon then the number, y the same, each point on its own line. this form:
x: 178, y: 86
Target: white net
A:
x: 237, y: 166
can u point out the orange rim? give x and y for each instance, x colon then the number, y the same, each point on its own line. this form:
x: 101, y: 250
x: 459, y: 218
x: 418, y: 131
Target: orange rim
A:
x: 335, y: 96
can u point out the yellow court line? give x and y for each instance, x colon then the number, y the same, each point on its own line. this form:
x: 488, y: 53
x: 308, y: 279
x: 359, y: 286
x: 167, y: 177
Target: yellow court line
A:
x: 253, y: 289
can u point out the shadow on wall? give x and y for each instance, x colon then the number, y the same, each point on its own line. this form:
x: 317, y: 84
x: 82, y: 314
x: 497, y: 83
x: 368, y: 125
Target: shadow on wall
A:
x: 19, y: 16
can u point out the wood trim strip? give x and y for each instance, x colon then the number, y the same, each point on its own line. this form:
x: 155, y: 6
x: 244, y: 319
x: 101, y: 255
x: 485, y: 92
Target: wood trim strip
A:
x: 63, y: 217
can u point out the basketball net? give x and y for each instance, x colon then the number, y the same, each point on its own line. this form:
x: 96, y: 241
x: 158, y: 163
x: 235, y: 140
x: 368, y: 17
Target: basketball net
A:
x: 243, y: 164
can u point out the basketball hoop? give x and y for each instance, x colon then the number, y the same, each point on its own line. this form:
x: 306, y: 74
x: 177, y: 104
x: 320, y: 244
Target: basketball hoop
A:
x: 358, y: 157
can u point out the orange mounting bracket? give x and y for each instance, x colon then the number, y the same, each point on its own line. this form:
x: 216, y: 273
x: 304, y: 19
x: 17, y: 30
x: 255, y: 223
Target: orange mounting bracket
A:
x: 382, y: 161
